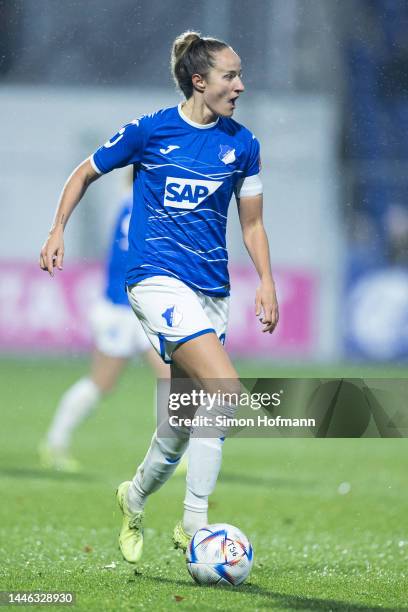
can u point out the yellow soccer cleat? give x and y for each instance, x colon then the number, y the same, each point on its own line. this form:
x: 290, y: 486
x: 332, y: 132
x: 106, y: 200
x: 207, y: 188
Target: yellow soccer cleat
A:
x: 57, y: 459
x: 181, y: 539
x: 131, y: 533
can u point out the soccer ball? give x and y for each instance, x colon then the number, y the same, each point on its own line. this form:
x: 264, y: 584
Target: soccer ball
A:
x: 219, y: 554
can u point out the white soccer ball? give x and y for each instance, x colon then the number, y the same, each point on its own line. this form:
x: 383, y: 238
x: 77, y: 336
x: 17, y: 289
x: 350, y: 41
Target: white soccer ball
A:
x: 219, y: 554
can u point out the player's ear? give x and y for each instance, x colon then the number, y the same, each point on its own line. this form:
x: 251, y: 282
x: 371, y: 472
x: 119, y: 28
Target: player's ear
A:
x: 198, y: 82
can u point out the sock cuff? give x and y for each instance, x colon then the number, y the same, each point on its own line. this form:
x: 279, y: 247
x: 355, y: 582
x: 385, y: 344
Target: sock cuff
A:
x: 195, y: 503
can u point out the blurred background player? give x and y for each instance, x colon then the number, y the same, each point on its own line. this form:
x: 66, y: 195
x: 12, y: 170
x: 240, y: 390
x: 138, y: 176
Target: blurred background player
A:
x: 118, y: 336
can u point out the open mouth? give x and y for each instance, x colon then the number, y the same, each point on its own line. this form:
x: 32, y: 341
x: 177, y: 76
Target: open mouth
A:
x: 232, y: 101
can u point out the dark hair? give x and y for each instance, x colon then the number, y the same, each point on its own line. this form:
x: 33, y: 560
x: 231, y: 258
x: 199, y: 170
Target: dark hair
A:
x: 192, y: 54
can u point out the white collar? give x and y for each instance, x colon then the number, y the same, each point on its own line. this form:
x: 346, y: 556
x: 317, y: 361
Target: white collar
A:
x: 201, y: 126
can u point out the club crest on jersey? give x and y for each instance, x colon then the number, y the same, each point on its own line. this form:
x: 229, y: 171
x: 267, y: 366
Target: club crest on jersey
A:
x: 226, y: 154
x: 188, y: 193
x: 172, y: 316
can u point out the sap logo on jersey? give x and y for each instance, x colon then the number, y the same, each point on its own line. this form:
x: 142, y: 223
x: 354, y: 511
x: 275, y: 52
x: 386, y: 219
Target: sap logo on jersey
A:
x: 188, y: 193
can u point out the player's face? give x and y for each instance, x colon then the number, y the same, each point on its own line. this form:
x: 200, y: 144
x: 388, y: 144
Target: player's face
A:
x: 224, y: 83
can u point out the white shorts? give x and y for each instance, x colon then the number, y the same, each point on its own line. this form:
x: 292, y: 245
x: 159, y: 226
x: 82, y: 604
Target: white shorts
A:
x: 171, y: 313
x: 116, y: 331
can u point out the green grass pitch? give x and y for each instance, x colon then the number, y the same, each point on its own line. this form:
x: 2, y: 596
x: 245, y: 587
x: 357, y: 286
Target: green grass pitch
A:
x: 315, y: 549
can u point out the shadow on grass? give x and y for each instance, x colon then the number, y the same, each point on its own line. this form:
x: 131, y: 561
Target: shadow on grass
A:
x: 44, y: 474
x: 290, y: 602
x: 259, y: 481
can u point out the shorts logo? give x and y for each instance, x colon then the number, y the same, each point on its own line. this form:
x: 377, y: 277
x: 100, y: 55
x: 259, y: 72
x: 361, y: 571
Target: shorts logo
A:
x: 226, y: 154
x: 188, y: 193
x: 172, y: 316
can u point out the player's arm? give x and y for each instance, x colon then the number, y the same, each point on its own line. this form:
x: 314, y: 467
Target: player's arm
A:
x: 123, y: 149
x: 52, y: 252
x: 256, y: 242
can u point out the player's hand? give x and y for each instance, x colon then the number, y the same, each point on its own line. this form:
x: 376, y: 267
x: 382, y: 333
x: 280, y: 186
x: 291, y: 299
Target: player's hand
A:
x: 52, y: 252
x: 266, y: 306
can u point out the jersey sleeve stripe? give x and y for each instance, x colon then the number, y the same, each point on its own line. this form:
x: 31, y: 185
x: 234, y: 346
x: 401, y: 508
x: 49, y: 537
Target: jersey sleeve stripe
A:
x: 94, y: 166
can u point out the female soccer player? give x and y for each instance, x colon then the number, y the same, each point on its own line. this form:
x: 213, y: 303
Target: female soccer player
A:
x: 188, y: 161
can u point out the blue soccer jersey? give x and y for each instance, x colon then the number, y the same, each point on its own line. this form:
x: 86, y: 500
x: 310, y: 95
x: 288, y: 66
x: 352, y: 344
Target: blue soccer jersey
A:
x: 184, y: 177
x: 117, y: 258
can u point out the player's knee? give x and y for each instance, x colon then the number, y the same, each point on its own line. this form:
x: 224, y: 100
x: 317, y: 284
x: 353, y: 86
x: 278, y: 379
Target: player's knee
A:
x: 214, y: 420
x: 172, y: 448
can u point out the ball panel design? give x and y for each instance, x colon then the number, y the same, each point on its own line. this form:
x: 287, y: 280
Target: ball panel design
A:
x: 203, y: 573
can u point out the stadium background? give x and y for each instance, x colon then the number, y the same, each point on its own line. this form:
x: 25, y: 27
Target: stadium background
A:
x: 327, y: 96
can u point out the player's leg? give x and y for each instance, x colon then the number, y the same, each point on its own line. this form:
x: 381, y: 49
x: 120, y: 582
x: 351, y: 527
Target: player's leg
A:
x: 162, y: 372
x: 172, y: 315
x: 159, y: 463
x: 76, y: 404
x: 205, y: 360
x: 181, y: 324
x: 161, y: 459
x: 113, y: 332
x: 106, y: 370
x: 81, y: 398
